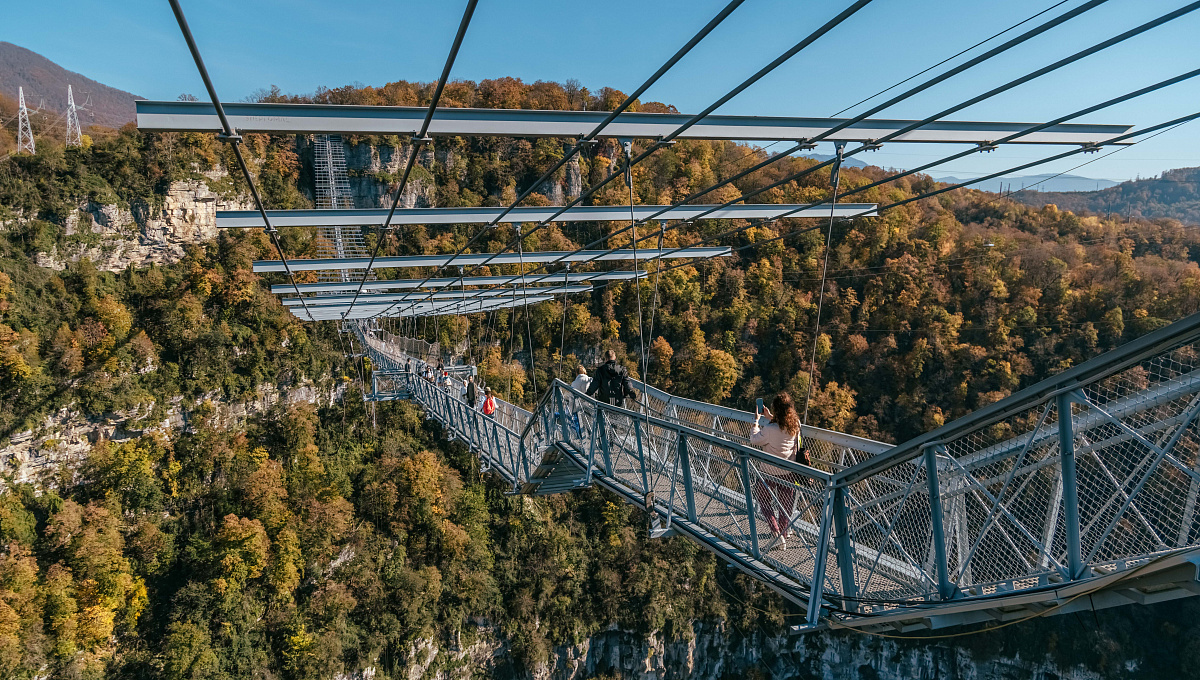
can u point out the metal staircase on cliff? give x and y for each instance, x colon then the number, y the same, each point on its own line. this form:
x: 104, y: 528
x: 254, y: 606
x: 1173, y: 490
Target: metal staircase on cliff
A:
x: 1079, y: 492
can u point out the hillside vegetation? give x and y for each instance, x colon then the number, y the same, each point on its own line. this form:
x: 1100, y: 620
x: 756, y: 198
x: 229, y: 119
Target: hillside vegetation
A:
x: 1176, y: 194
x: 306, y: 542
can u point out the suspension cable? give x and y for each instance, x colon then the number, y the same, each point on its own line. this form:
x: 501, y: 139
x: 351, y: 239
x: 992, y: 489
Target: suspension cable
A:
x: 1156, y: 129
x: 974, y: 100
x: 525, y: 297
x: 589, y: 138
x: 421, y: 138
x: 954, y: 56
x: 670, y: 137
x: 637, y: 283
x: 657, y: 267
x: 909, y: 93
x: 562, y: 342
x: 1012, y: 137
x: 230, y: 135
x: 835, y: 181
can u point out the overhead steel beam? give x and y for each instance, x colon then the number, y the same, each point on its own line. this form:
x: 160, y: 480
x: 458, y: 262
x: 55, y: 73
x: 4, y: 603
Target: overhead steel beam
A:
x: 237, y: 219
x: 412, y: 284
x: 401, y: 261
x: 163, y: 116
x: 423, y: 309
x: 327, y: 300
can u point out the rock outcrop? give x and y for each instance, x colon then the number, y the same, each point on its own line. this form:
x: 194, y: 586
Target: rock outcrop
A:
x: 141, y: 235
x: 66, y: 437
x: 714, y: 652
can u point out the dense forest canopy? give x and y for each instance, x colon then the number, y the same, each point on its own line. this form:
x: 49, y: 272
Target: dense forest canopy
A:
x: 305, y: 542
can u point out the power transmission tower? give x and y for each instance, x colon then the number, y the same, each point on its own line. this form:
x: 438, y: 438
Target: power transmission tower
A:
x: 74, y: 134
x: 24, y: 130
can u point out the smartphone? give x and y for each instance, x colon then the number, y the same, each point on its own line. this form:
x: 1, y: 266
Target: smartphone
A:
x: 758, y: 407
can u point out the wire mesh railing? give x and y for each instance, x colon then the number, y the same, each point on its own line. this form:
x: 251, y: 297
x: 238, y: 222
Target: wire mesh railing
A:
x: 1093, y: 472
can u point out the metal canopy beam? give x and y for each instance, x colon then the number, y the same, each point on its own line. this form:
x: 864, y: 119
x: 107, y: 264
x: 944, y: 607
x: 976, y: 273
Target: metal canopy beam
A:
x: 159, y: 116
x: 462, y: 296
x: 263, y: 266
x: 235, y: 219
x: 411, y: 284
x: 424, y: 309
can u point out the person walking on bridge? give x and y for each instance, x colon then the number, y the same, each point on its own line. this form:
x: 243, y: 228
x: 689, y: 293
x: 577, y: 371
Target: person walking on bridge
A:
x: 472, y: 393
x: 582, y: 381
x: 611, y: 384
x: 776, y: 493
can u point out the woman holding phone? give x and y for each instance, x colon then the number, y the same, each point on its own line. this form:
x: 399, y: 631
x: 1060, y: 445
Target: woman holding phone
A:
x: 780, y: 437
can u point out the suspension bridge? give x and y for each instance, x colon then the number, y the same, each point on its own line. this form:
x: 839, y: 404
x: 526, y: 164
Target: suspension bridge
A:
x: 1080, y: 491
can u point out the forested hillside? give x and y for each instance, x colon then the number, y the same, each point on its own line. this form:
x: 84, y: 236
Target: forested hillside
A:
x: 306, y: 542
x: 1176, y: 194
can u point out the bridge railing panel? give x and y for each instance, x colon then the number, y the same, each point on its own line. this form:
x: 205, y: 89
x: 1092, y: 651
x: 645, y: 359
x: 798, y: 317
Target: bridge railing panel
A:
x: 890, y: 549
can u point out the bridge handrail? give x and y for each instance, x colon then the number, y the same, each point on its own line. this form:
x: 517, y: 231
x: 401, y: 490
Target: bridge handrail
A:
x: 1095, y: 369
x: 791, y: 466
x: 833, y: 437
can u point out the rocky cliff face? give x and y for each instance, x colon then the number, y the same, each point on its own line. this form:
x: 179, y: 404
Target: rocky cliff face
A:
x: 715, y: 653
x: 65, y: 438
x: 141, y: 235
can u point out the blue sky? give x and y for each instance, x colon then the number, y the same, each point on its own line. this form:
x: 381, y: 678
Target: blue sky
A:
x: 302, y: 44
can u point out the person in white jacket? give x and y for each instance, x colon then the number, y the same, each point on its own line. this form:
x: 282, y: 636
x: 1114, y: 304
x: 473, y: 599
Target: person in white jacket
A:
x: 781, y: 438
x: 582, y: 381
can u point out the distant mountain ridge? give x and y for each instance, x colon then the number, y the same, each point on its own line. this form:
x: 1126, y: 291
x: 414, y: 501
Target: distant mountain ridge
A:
x: 1176, y: 194
x: 1048, y: 182
x: 44, y: 79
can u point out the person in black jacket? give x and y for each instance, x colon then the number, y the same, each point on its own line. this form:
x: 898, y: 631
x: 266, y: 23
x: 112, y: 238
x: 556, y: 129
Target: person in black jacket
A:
x: 611, y: 384
x: 472, y: 393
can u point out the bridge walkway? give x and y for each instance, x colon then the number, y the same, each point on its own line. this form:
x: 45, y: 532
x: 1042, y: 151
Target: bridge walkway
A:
x: 982, y: 519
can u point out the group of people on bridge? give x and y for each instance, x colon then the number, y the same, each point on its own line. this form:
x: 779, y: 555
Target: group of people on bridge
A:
x: 776, y: 494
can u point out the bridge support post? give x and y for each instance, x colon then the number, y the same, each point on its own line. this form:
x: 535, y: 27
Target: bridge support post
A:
x: 1070, y: 499
x: 685, y: 462
x: 562, y: 414
x: 748, y: 489
x: 816, y: 592
x: 938, y: 522
x: 641, y: 449
x: 602, y: 423
x: 845, y: 549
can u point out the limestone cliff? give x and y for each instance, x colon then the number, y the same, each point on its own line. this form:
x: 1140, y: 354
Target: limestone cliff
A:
x: 715, y: 652
x: 113, y: 237
x: 66, y: 437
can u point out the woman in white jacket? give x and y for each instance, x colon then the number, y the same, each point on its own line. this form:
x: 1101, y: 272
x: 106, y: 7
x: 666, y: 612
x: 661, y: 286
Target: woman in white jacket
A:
x: 781, y: 438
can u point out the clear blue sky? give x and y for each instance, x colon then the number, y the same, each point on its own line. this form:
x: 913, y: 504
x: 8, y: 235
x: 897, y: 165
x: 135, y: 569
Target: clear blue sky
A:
x: 302, y: 44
